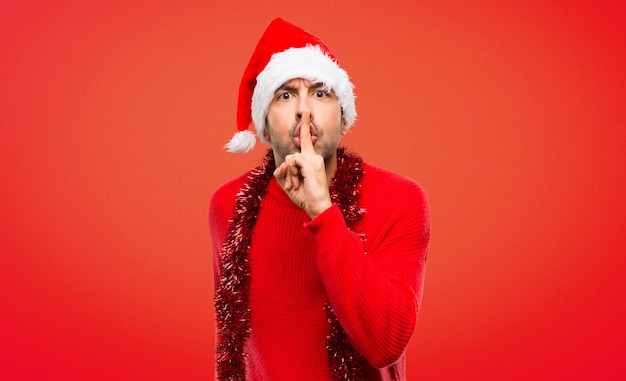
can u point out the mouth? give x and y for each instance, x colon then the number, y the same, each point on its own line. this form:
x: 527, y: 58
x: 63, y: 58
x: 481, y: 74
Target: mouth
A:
x: 296, y: 135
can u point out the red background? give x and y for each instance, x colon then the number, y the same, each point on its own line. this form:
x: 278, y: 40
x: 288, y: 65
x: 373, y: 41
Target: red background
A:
x: 510, y: 115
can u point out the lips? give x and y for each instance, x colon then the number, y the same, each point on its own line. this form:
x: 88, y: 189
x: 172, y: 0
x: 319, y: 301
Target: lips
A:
x: 296, y: 140
x: 296, y: 137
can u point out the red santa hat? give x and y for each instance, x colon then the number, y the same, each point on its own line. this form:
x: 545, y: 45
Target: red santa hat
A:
x: 283, y: 53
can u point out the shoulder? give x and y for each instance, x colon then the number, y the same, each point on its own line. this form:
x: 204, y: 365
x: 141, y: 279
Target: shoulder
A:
x: 222, y: 201
x: 228, y: 190
x: 390, y: 194
x: 395, y: 205
x: 384, y: 182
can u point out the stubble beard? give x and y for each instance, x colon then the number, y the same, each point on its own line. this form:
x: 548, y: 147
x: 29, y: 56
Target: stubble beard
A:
x: 282, y: 150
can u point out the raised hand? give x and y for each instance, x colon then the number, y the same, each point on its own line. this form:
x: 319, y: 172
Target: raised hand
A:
x: 303, y: 174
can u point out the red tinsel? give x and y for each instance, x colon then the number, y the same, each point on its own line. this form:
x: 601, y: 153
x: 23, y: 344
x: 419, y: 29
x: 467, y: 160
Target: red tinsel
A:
x: 231, y: 295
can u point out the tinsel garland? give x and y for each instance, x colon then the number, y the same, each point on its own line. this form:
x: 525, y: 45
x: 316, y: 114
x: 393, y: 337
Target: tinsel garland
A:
x: 231, y: 294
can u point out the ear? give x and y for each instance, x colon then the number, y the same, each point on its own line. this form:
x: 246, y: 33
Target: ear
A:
x: 344, y: 128
x: 266, y: 133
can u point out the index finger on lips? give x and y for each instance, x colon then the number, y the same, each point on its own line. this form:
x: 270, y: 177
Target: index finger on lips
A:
x: 306, y: 144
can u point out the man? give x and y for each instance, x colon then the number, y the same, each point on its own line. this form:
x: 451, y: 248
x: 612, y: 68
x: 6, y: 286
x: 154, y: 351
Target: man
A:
x: 319, y: 258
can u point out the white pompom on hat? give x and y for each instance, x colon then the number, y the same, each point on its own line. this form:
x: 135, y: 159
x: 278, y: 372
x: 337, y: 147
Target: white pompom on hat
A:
x: 283, y: 53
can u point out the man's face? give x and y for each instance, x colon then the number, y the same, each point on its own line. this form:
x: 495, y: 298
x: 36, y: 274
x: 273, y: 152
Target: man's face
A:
x: 290, y: 101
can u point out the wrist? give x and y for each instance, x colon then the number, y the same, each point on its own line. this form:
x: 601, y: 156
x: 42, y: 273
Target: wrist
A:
x: 319, y: 209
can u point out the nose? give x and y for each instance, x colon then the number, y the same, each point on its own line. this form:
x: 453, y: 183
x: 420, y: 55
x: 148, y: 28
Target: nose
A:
x: 303, y: 106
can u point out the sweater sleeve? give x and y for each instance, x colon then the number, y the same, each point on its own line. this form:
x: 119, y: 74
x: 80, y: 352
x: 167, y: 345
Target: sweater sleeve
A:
x: 375, y: 283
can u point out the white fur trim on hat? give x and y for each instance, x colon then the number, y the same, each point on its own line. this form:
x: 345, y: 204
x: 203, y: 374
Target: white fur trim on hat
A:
x: 309, y: 63
x: 241, y: 142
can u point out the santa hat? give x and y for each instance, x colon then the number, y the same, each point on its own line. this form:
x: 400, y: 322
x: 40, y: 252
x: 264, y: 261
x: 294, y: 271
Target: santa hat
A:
x: 283, y: 53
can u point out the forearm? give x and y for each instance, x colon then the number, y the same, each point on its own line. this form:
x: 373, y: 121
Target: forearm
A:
x: 375, y: 296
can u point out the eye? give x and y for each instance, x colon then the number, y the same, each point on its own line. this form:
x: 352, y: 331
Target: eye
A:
x: 283, y: 95
x: 322, y: 93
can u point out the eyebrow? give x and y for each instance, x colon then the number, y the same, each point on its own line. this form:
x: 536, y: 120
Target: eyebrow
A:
x: 287, y: 87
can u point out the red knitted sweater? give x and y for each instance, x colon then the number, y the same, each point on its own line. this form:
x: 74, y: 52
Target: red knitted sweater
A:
x: 372, y: 276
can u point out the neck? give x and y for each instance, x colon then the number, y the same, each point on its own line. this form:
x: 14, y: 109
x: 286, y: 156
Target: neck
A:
x: 331, y: 166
